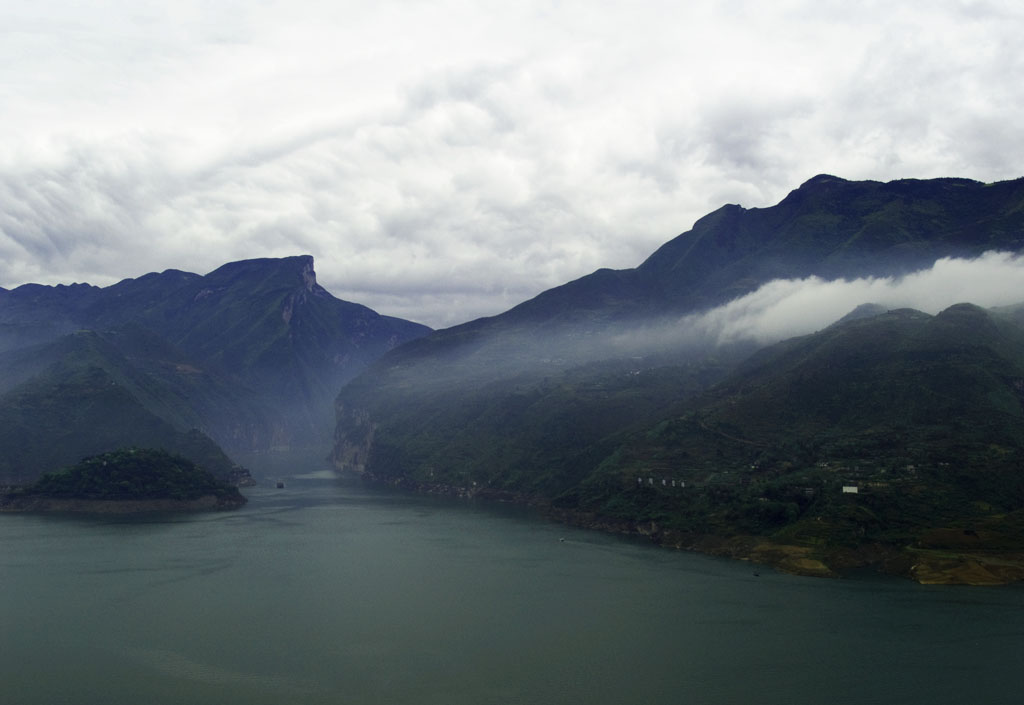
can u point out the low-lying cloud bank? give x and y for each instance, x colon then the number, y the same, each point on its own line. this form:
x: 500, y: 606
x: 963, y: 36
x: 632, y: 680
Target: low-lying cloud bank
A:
x: 785, y: 308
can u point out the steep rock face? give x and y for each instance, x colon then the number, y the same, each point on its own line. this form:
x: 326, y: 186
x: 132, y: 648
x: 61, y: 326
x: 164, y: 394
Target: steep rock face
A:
x: 269, y: 324
x: 353, y: 439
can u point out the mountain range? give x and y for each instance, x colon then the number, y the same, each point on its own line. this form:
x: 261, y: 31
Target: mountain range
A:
x: 569, y: 400
x: 891, y: 437
x: 245, y: 359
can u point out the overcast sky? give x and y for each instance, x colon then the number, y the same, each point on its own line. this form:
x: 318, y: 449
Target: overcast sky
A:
x: 444, y: 160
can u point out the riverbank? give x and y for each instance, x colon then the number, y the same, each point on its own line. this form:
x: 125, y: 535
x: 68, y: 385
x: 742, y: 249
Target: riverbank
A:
x: 39, y: 504
x: 924, y: 565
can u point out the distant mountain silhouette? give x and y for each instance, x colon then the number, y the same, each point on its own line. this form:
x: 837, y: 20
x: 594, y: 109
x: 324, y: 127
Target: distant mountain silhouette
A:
x: 251, y: 354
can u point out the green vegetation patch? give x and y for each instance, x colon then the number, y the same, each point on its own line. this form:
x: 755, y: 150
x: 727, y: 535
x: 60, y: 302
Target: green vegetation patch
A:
x: 128, y: 474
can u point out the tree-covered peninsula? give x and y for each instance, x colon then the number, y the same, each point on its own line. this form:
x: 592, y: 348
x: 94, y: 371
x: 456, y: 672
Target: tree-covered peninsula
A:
x: 124, y: 481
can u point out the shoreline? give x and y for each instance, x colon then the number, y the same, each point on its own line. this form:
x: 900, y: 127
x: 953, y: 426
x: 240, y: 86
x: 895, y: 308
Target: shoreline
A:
x: 74, y: 505
x: 924, y: 566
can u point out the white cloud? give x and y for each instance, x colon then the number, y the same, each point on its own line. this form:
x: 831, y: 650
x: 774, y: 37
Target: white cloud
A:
x: 785, y: 308
x: 444, y: 160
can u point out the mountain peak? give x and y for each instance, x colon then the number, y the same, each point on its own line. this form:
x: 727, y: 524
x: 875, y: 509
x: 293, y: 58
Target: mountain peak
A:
x: 823, y: 186
x: 868, y: 310
x: 821, y: 180
x: 281, y: 270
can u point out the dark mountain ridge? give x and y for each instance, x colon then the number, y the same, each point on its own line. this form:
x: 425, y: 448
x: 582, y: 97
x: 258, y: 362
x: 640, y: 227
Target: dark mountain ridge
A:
x: 829, y: 227
x: 251, y: 354
x: 529, y: 403
x: 921, y: 416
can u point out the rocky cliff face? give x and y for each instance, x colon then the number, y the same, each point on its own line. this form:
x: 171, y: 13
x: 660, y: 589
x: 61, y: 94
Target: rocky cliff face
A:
x: 353, y: 439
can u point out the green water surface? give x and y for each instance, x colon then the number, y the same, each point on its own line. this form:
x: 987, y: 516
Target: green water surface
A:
x: 327, y: 592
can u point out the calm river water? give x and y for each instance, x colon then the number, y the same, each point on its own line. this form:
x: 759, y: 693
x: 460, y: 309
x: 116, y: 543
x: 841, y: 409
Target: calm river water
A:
x: 327, y: 592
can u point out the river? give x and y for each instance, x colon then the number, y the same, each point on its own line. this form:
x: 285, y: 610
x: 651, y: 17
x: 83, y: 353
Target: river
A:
x: 329, y: 592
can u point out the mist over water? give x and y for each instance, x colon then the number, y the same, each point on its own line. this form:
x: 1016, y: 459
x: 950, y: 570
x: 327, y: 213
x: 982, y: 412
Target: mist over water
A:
x: 327, y: 592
